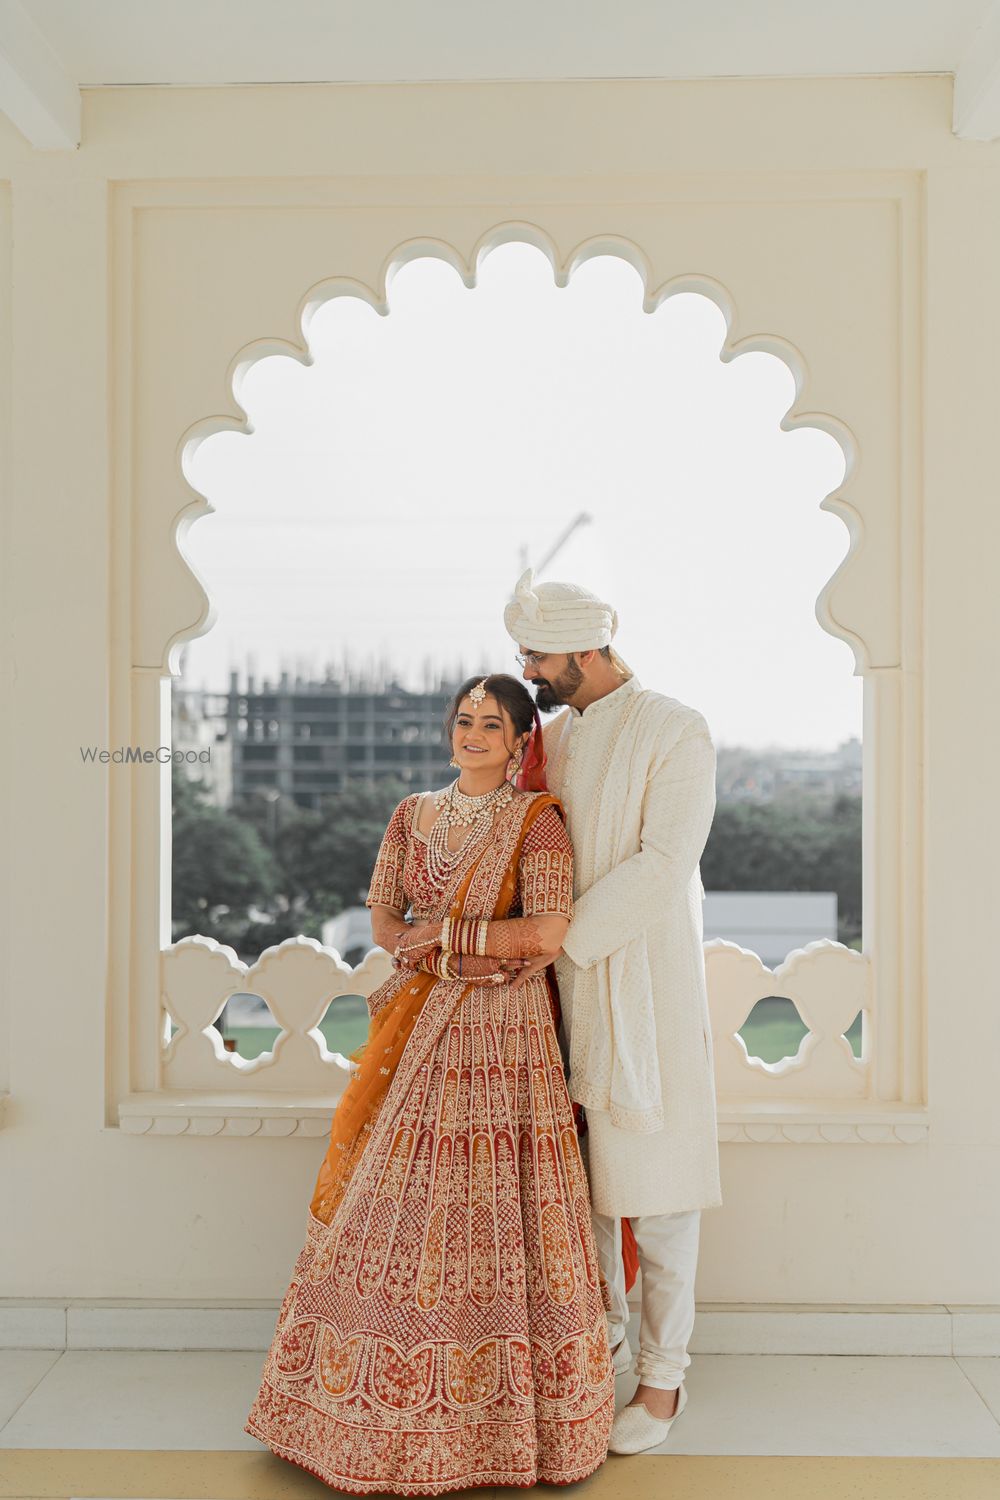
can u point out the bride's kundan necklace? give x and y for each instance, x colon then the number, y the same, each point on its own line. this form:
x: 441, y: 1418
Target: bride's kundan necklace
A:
x: 458, y: 810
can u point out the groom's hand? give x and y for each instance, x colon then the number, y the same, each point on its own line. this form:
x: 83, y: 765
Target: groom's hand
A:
x: 534, y: 966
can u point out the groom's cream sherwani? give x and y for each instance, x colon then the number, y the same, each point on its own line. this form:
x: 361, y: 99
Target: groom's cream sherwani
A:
x: 636, y: 774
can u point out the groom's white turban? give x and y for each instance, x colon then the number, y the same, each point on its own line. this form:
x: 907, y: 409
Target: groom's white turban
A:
x: 558, y: 617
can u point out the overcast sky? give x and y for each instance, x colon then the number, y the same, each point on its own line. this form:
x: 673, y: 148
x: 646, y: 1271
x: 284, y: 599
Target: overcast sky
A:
x: 380, y: 507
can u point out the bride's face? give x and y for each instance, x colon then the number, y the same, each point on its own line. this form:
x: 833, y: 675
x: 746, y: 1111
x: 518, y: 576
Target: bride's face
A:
x: 483, y: 737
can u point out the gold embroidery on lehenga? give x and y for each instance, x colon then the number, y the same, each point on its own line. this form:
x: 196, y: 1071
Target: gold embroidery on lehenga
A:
x: 473, y: 1376
x: 294, y: 1346
x: 401, y: 1381
x: 338, y: 1362
x: 446, y: 1327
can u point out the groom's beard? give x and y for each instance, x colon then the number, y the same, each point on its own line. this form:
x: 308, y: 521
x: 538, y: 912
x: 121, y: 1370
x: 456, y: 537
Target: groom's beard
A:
x: 550, y: 695
x: 546, y: 698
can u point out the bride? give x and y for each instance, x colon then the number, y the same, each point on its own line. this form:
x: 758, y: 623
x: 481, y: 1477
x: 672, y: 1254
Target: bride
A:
x: 444, y: 1327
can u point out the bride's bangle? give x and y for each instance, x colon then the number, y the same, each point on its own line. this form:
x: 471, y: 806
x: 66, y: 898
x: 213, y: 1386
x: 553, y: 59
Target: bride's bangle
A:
x: 437, y: 963
x: 465, y: 935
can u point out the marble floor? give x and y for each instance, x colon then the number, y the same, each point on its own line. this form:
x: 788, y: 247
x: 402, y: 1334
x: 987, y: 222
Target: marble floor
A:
x: 742, y: 1404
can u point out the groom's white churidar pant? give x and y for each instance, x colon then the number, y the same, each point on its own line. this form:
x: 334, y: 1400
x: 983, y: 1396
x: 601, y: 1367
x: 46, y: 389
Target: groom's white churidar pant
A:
x: 668, y: 1259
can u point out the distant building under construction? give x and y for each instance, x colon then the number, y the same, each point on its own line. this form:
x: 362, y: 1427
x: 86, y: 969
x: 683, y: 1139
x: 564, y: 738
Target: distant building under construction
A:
x: 306, y: 739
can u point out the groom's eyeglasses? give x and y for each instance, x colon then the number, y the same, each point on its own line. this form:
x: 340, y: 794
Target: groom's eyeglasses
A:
x: 530, y: 658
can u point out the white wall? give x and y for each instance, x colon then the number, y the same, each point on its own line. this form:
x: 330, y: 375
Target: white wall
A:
x: 855, y: 226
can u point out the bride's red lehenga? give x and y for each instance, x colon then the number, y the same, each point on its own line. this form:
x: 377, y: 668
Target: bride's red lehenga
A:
x: 444, y: 1327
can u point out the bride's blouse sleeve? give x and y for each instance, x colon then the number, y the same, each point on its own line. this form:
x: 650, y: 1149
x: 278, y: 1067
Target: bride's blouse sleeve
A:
x: 545, y: 872
x: 386, y: 888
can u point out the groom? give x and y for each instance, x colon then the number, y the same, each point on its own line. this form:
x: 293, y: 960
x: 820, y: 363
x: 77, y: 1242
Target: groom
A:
x: 636, y: 775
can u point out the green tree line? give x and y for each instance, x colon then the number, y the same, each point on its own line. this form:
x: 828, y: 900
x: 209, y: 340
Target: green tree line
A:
x: 258, y: 872
x: 799, y: 843
x: 262, y: 871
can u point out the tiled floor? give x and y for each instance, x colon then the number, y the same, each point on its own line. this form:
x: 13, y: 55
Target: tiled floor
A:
x: 743, y: 1404
x: 839, y: 1405
x: 135, y: 1399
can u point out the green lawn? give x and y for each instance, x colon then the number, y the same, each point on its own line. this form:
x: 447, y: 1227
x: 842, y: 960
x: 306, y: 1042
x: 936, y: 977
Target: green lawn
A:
x: 772, y: 1031
x: 345, y: 1027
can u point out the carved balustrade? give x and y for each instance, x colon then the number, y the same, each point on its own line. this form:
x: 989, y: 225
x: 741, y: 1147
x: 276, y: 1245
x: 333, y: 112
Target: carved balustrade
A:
x: 300, y: 979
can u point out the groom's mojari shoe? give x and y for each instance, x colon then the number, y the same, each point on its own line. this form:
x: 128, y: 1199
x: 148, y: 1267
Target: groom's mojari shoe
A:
x: 621, y: 1358
x: 635, y: 1429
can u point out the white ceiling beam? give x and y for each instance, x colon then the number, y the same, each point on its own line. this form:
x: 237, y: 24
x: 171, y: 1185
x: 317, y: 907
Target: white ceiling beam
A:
x: 35, y: 93
x: 976, y: 104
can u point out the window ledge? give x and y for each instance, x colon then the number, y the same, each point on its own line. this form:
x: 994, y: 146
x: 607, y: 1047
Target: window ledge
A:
x: 272, y: 1114
x: 806, y: 1122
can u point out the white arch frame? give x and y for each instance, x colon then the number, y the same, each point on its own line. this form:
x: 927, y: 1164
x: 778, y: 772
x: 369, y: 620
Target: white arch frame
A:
x: 852, y: 605
x: 468, y: 269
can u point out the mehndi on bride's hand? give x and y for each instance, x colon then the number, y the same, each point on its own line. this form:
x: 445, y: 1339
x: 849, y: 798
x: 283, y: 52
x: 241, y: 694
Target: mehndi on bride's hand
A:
x: 472, y: 968
x: 475, y: 966
x: 417, y: 944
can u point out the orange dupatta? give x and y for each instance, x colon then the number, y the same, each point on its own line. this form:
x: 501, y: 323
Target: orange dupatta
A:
x: 390, y: 1031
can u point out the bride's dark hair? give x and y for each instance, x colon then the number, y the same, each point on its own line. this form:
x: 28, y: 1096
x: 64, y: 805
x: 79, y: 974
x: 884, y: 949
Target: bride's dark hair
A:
x: 509, y: 693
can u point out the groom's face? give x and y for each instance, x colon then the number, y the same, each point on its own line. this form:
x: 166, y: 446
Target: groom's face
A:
x: 555, y: 678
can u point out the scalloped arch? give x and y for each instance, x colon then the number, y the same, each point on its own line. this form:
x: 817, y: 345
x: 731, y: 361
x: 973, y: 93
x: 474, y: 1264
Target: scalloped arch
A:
x: 563, y: 265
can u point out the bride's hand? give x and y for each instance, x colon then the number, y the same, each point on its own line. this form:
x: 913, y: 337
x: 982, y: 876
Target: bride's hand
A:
x: 533, y: 966
x: 418, y: 943
x: 475, y: 966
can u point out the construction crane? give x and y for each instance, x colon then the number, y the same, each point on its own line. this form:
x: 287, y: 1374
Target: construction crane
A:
x: 583, y: 519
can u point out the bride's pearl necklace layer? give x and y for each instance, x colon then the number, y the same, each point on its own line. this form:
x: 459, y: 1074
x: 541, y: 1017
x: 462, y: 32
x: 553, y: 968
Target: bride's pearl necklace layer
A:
x: 458, y: 810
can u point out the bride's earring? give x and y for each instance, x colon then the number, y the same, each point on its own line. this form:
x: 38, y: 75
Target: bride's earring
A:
x: 454, y: 762
x: 514, y: 765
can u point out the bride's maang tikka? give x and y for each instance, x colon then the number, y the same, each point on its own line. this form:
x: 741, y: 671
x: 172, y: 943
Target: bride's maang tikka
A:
x: 478, y: 693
